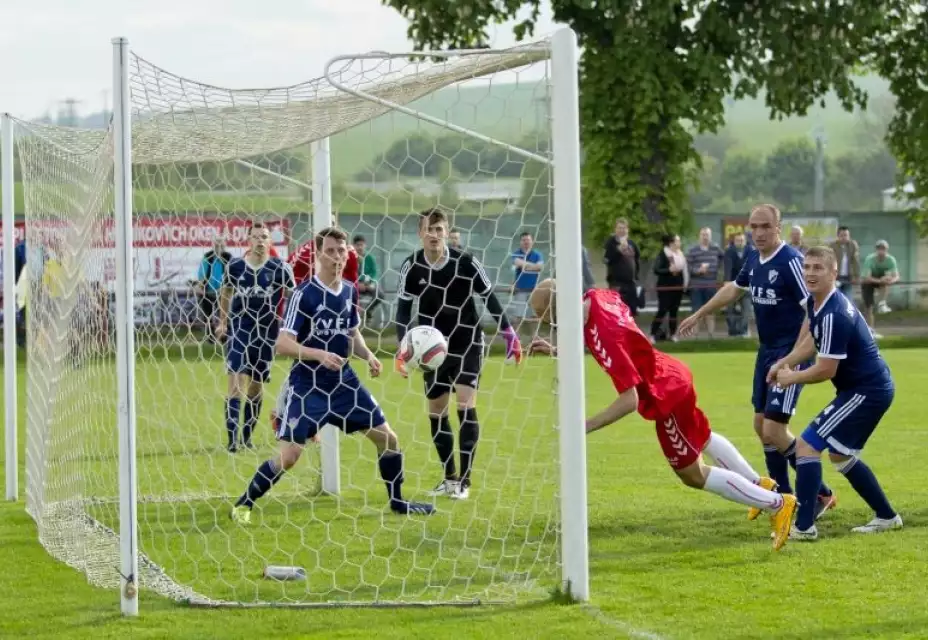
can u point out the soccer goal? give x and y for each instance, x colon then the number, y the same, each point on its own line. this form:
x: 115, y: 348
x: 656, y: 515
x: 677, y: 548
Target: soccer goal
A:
x: 128, y: 474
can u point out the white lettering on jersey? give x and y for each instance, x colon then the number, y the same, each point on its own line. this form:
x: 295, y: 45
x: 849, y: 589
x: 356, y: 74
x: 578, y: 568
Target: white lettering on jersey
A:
x: 256, y: 291
x: 338, y: 326
x: 762, y: 295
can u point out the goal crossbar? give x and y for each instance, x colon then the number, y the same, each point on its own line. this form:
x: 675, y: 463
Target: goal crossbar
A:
x: 533, y: 53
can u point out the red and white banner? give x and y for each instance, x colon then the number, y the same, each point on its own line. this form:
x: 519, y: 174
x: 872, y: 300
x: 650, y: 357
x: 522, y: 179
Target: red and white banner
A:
x: 167, y: 250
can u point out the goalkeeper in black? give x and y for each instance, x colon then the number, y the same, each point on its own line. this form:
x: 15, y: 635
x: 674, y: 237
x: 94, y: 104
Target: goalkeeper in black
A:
x: 446, y: 282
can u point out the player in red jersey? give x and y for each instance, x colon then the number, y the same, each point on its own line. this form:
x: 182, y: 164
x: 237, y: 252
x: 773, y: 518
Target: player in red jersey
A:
x: 660, y: 388
x: 303, y: 263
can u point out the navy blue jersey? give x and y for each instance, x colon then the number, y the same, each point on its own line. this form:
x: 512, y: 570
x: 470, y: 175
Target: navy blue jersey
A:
x: 779, y: 292
x: 840, y: 332
x: 256, y: 294
x: 322, y: 318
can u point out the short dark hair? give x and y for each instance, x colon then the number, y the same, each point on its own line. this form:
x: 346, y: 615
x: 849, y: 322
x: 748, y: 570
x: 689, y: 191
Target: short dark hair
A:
x: 823, y: 253
x: 358, y: 238
x: 336, y: 233
x: 432, y: 216
x: 843, y: 228
x: 526, y: 233
x: 256, y: 224
x: 668, y: 238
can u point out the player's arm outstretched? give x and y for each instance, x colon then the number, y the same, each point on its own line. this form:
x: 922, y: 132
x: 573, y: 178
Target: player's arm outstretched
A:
x: 484, y: 288
x: 729, y: 293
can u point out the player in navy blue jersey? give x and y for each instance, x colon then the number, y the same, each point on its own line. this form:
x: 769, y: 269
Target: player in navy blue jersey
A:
x: 251, y: 293
x: 321, y: 330
x: 772, y: 276
x: 849, y: 357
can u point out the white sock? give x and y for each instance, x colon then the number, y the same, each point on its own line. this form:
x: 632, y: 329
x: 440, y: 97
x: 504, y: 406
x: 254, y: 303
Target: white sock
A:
x: 738, y: 489
x: 728, y: 457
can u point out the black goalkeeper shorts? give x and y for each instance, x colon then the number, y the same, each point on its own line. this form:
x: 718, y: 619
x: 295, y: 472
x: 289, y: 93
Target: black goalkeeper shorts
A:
x: 457, y: 369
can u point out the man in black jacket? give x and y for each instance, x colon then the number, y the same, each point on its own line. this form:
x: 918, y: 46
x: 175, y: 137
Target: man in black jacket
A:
x: 739, y: 312
x: 623, y: 259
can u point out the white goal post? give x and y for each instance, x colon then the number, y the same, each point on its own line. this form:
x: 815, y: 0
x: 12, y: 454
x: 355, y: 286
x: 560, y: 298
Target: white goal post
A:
x: 123, y: 467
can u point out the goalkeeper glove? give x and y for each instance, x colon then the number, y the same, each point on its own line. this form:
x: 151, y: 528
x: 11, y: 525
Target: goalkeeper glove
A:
x: 513, y: 345
x: 399, y: 362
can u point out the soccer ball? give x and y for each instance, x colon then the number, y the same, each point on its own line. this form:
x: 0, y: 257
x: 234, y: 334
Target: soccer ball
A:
x: 424, y: 347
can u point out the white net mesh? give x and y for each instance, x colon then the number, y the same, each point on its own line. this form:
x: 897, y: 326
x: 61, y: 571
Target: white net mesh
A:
x: 209, y: 162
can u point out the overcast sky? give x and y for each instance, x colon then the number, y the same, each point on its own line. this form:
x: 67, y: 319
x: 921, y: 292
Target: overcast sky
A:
x: 57, y: 49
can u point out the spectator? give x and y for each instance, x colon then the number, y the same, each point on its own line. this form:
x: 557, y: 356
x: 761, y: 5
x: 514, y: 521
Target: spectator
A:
x: 208, y: 283
x: 19, y: 258
x: 879, y: 272
x: 454, y: 239
x: 527, y: 263
x: 704, y: 261
x: 367, y: 280
x: 672, y: 279
x: 847, y: 252
x: 623, y: 261
x: 795, y: 239
x: 738, y: 315
x: 589, y: 280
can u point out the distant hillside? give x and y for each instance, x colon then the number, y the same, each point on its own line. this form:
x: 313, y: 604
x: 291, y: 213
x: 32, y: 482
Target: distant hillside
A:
x: 749, y: 123
x: 512, y: 111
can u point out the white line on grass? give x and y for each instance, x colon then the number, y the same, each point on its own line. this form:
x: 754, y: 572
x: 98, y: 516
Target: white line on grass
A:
x: 632, y: 632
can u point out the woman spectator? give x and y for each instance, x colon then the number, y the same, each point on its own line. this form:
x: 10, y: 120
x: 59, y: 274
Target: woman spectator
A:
x: 672, y: 279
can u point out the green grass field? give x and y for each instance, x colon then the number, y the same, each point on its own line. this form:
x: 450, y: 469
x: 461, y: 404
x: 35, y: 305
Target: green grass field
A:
x: 666, y: 561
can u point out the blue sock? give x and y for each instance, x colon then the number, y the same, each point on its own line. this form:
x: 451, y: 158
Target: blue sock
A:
x: 777, y: 468
x: 808, y: 481
x: 867, y: 487
x: 391, y: 470
x: 791, y: 456
x: 266, y: 477
x: 252, y: 412
x: 233, y: 406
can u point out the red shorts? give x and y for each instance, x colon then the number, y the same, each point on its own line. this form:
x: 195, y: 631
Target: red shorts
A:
x: 684, y: 433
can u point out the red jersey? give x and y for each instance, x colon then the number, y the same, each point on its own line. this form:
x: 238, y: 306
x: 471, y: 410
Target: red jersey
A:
x: 626, y: 354
x: 303, y: 263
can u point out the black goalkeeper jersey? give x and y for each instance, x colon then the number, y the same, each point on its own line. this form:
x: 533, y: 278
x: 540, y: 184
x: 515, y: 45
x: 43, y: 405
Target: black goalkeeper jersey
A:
x: 446, y: 293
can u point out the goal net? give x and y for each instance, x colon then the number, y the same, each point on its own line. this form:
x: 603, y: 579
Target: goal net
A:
x: 368, y: 147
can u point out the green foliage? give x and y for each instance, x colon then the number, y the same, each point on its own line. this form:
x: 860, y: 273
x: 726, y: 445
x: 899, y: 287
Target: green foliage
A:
x: 650, y: 67
x: 854, y: 181
x: 902, y: 58
x: 790, y: 172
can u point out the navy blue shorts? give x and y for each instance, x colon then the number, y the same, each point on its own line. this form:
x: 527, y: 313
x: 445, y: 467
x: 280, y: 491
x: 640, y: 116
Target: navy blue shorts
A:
x: 251, y: 354
x: 350, y: 407
x: 845, y: 425
x: 773, y: 399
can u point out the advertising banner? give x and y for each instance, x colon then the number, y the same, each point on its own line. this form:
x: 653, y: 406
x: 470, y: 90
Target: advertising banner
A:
x: 168, y: 250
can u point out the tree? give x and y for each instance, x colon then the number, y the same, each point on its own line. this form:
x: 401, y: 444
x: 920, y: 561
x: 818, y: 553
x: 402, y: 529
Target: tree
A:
x: 790, y: 173
x: 742, y: 176
x: 902, y: 58
x: 651, y: 68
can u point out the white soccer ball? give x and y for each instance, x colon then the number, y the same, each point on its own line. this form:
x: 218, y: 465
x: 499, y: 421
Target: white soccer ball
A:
x: 424, y: 348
